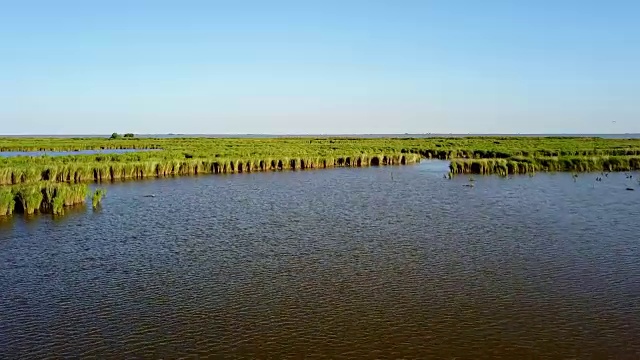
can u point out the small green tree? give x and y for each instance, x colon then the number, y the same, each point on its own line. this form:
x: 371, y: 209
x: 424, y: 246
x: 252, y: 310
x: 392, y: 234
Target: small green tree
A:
x: 115, y: 136
x: 128, y: 135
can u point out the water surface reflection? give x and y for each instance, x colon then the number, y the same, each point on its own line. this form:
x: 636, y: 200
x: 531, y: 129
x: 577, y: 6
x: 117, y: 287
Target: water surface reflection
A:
x: 379, y: 262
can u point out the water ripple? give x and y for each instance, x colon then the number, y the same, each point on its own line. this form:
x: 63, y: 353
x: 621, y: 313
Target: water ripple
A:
x: 345, y: 263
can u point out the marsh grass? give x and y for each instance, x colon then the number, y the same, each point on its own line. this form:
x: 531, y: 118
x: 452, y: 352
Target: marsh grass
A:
x: 520, y: 165
x: 7, y: 202
x: 194, y: 156
x: 29, y: 198
x: 87, y: 168
x: 97, y: 197
x: 45, y: 197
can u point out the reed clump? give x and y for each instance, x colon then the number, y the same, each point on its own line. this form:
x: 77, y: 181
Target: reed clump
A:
x: 97, y: 197
x: 29, y: 198
x: 44, y: 197
x: 7, y: 202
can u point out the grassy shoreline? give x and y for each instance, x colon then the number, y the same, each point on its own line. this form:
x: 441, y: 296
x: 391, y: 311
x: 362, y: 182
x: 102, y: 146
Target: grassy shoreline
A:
x: 100, y: 170
x: 41, y: 197
x: 49, y: 184
x: 188, y: 156
x: 545, y: 164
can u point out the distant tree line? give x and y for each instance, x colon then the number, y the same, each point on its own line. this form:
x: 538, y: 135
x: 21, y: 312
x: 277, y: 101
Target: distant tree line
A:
x: 118, y: 136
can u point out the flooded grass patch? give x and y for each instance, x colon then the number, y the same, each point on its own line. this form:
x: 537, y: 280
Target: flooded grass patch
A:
x: 41, y: 197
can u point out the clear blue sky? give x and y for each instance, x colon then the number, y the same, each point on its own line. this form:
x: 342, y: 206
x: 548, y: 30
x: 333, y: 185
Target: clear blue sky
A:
x: 278, y: 67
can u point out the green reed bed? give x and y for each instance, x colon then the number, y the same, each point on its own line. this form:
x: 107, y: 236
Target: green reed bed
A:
x: 469, y: 147
x: 530, y: 165
x: 189, y: 156
x: 96, y: 168
x: 73, y: 144
x: 44, y: 197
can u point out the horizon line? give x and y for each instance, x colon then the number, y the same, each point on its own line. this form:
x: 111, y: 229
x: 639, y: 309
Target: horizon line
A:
x: 320, y: 134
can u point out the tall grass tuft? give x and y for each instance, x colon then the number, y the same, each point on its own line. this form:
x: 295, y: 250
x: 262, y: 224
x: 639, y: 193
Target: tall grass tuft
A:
x: 30, y: 198
x: 57, y: 206
x: 44, y: 197
x: 7, y: 202
x: 97, y: 197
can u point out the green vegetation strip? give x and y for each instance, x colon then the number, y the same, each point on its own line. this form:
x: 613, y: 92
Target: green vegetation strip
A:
x: 185, y: 156
x: 48, y: 184
x: 529, y: 165
x: 44, y: 197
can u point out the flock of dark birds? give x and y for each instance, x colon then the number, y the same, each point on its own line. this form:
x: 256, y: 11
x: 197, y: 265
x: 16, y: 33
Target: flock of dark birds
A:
x: 629, y: 176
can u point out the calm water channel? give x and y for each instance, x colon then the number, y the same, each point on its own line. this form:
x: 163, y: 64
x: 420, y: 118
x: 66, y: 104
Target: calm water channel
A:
x: 390, y: 262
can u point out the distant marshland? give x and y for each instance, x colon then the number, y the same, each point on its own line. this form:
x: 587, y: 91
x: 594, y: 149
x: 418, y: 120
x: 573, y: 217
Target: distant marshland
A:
x: 191, y: 156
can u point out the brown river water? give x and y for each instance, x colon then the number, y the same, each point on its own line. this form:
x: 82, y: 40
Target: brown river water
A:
x: 389, y: 262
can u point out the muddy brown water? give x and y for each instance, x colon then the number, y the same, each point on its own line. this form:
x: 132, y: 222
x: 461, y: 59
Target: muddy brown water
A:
x: 389, y: 262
